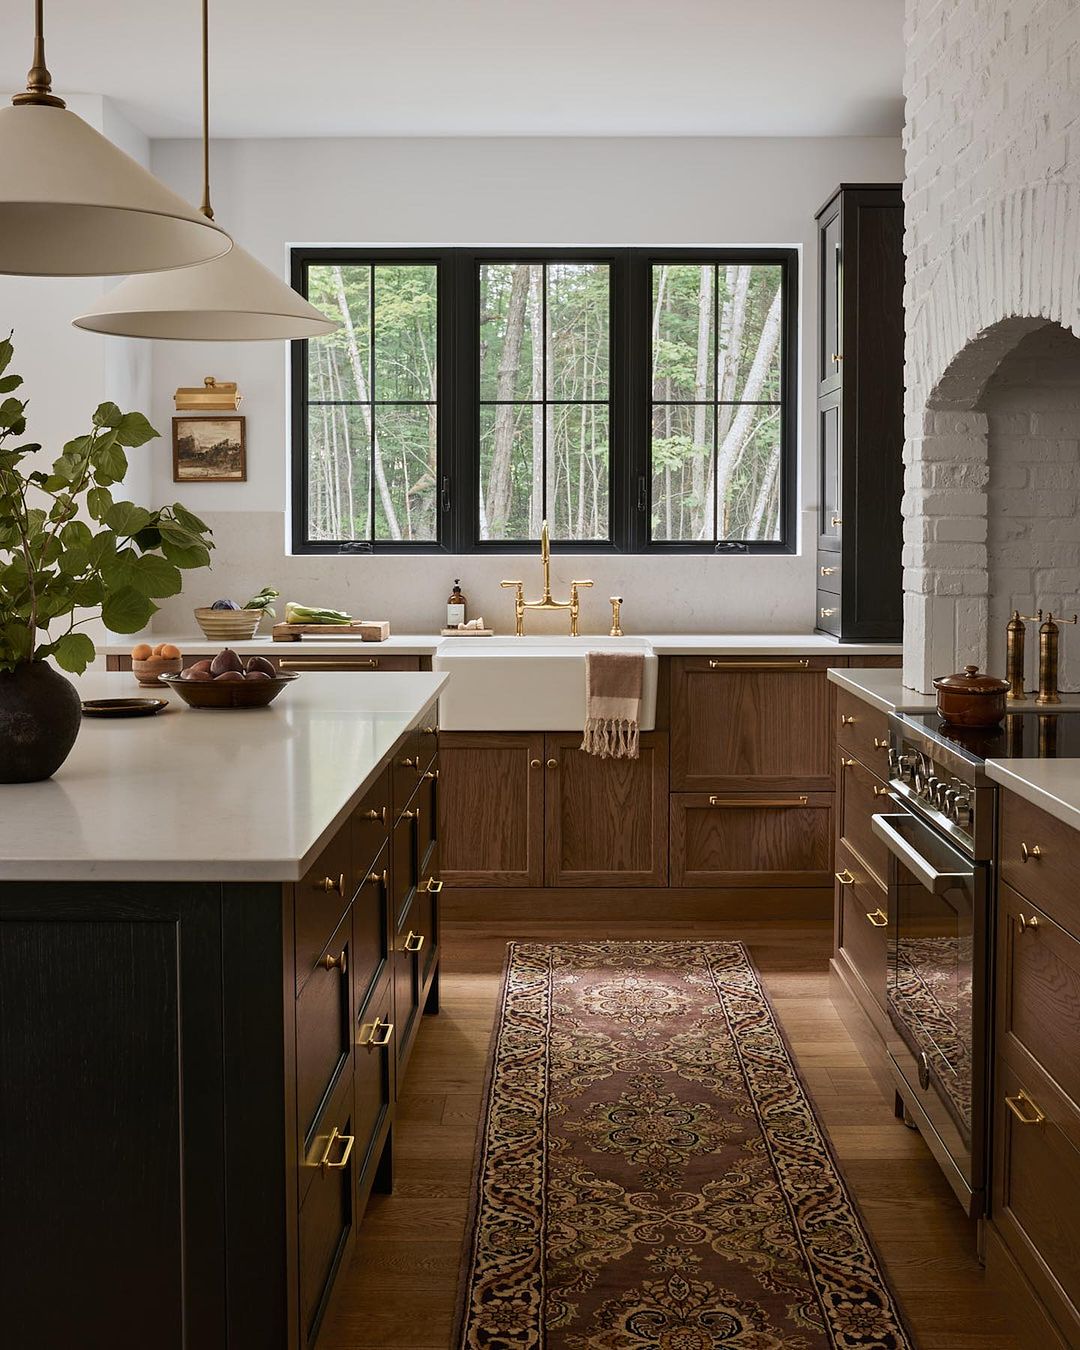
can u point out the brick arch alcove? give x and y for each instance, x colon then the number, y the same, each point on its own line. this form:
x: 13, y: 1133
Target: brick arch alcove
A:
x: 991, y: 498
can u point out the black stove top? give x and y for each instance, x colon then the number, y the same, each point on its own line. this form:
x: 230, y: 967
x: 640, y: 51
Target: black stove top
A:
x: 1022, y: 735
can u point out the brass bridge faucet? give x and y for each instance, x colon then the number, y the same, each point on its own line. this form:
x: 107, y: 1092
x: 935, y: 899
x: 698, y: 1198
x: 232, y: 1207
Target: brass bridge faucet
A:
x: 546, y: 601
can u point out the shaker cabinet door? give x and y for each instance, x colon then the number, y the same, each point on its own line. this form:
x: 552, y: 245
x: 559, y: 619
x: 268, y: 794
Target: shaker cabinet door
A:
x: 491, y: 808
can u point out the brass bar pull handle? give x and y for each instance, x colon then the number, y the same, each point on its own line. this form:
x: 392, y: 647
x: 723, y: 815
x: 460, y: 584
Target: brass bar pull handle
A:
x: 1018, y: 1106
x: 1034, y: 852
x: 879, y: 918
x: 734, y: 803
x: 719, y: 663
x: 828, y: 571
x: 336, y: 1137
x: 316, y: 663
x: 846, y: 721
x: 379, y: 878
x: 376, y: 815
x: 433, y: 887
x: 330, y: 886
x: 845, y: 878
x: 1025, y: 923
x: 375, y: 1034
x: 414, y: 942
x: 339, y: 962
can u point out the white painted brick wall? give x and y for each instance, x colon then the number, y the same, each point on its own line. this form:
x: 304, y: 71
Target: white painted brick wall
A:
x: 992, y: 207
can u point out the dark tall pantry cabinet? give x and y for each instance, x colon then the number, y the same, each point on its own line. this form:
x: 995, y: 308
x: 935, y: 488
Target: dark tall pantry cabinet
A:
x: 860, y: 412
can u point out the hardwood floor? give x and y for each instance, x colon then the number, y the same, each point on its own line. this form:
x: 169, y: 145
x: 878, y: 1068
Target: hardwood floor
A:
x: 400, y: 1291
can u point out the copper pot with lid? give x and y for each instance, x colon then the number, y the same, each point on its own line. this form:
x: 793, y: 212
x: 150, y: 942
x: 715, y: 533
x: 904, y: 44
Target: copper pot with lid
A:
x: 969, y: 699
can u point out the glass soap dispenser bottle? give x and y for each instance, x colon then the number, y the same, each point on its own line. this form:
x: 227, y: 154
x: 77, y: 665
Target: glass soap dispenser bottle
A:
x: 455, y: 606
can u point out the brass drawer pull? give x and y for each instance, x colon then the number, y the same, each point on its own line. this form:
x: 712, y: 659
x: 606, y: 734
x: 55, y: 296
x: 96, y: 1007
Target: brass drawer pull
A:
x: 1025, y: 923
x: 879, y: 918
x: 845, y: 878
x: 1017, y: 1104
x: 429, y: 731
x: 376, y: 815
x: 846, y: 721
x: 828, y: 613
x: 314, y: 663
x: 827, y: 571
x: 376, y: 1034
x: 836, y: 357
x: 414, y: 942
x: 834, y: 521
x: 719, y: 663
x: 330, y: 886
x: 336, y: 1137
x: 880, y: 744
x: 409, y: 815
x: 433, y: 887
x: 734, y: 803
x: 339, y: 962
x: 432, y: 774
x: 879, y: 791
x: 1033, y: 852
x: 535, y: 764
x: 408, y: 763
x: 846, y: 763
x: 379, y: 878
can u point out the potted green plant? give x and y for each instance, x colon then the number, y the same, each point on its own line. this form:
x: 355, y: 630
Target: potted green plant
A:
x: 71, y: 553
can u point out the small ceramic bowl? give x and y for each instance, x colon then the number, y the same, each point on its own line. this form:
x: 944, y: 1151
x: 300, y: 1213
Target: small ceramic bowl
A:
x: 228, y: 625
x: 229, y: 693
x: 149, y: 672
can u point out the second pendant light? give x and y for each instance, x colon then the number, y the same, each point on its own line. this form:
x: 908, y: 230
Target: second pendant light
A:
x: 233, y: 298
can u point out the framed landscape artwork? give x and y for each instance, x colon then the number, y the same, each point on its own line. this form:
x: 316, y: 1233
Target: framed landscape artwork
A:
x: 209, y: 450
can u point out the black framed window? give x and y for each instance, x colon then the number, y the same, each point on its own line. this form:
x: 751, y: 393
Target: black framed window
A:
x: 639, y: 400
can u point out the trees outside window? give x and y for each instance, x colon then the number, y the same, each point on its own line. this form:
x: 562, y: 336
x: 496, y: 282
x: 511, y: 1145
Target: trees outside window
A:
x: 635, y: 399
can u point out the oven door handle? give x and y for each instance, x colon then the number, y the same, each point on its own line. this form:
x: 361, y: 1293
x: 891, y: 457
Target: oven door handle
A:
x: 934, y: 881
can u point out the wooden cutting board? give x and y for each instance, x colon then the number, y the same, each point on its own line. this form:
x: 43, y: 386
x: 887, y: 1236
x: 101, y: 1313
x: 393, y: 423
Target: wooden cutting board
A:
x: 364, y: 630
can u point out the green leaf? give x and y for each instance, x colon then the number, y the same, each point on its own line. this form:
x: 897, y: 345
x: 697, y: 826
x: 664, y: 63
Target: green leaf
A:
x: 107, y: 415
x: 127, y: 519
x: 11, y: 415
x: 6, y: 351
x: 155, y: 576
x: 186, y: 555
x: 110, y: 464
x: 16, y: 639
x: 76, y: 534
x: 88, y: 592
x: 10, y: 382
x: 148, y: 538
x: 102, y: 547
x: 118, y: 570
x: 73, y: 652
x: 189, y: 520
x: 133, y: 429
x: 127, y: 610
x: 98, y: 502
x: 74, y: 561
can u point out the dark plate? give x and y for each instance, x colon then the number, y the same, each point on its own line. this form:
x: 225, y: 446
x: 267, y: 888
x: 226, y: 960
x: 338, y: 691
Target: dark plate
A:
x: 123, y: 707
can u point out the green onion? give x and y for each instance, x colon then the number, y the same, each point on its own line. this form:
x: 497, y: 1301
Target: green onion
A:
x: 295, y: 613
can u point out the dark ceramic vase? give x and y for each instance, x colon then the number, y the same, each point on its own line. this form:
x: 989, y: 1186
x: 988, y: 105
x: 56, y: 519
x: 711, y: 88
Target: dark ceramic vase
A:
x: 40, y: 714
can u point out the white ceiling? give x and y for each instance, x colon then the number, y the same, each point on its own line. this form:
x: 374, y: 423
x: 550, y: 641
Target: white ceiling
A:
x: 481, y: 67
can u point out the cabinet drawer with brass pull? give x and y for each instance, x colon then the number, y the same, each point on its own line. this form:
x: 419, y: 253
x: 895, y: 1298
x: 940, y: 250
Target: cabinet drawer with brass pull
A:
x: 320, y: 900
x: 406, y: 771
x: 860, y: 796
x: 861, y: 921
x: 324, y: 1027
x: 829, y: 574
x: 751, y: 839
x: 1038, y: 856
x: 371, y: 929
x: 327, y: 1203
x: 862, y: 732
x: 373, y: 1079
x: 370, y: 825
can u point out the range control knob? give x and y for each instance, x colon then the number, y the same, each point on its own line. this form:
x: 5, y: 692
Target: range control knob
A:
x: 962, y: 812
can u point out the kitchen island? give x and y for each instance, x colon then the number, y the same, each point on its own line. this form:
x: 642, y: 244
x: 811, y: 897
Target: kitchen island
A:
x: 218, y: 933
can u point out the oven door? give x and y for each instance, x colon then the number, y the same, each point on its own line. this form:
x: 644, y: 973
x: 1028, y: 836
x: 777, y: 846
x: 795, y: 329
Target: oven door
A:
x: 936, y: 949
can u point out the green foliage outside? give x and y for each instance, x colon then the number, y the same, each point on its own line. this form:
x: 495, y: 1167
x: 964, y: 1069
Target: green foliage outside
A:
x: 57, y: 572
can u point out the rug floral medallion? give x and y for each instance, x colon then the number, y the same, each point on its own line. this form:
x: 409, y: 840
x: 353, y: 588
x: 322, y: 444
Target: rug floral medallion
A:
x: 651, y: 1174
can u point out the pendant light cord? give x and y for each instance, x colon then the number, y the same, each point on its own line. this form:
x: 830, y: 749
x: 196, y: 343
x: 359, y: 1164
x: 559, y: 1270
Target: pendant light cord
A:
x: 205, y: 207
x: 38, y: 79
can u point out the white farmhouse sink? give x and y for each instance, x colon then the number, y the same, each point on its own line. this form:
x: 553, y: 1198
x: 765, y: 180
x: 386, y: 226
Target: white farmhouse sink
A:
x: 527, y: 683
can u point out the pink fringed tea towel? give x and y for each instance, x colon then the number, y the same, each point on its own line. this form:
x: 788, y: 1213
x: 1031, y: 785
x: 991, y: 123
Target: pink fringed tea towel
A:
x: 613, y: 684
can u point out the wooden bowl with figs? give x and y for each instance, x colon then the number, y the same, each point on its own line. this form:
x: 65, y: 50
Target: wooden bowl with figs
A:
x: 229, y: 682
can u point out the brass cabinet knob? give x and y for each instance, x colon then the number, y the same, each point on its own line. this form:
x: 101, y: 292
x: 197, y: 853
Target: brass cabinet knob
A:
x: 846, y: 721
x: 880, y: 791
x: 845, y: 878
x: 375, y: 1034
x: 879, y: 918
x: 346, y: 1141
x: 329, y: 885
x: 428, y: 731
x: 553, y: 763
x: 376, y: 815
x: 837, y: 357
x: 847, y: 763
x: 1025, y: 923
x: 534, y: 764
x: 827, y: 613
x: 1024, y: 1109
x: 431, y: 775
x: 1034, y: 852
x: 379, y: 878
x: 408, y: 763
x: 879, y: 744
x: 834, y: 521
x: 339, y: 962
x: 414, y: 942
x: 828, y: 571
x: 409, y: 815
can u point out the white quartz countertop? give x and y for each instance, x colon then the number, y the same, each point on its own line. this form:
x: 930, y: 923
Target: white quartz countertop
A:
x: 426, y: 644
x: 884, y: 689
x: 197, y: 795
x: 1052, y: 784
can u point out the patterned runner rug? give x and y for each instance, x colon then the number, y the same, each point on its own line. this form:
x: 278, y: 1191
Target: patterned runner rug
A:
x: 650, y: 1174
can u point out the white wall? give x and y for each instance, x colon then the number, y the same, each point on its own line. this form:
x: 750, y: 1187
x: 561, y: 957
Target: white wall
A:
x: 270, y: 194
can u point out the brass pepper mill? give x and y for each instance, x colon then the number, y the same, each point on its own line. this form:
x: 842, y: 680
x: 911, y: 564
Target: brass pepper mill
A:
x: 1048, y: 659
x: 1015, y: 633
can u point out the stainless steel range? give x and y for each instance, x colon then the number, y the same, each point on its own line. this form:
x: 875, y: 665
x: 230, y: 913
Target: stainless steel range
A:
x: 940, y: 832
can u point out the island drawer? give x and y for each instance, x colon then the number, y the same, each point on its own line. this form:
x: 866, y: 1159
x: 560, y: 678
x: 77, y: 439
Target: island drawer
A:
x: 371, y: 825
x: 323, y: 1027
x: 371, y: 928
x: 322, y: 897
x: 405, y: 770
x: 423, y: 918
x: 373, y: 1074
x: 427, y: 821
x: 751, y: 839
x: 429, y: 740
x: 862, y: 794
x: 863, y: 731
x: 405, y: 869
x: 326, y: 1209
x: 1038, y: 858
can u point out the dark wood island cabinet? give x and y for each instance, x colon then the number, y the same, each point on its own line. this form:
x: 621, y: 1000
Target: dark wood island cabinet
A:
x: 198, y: 1079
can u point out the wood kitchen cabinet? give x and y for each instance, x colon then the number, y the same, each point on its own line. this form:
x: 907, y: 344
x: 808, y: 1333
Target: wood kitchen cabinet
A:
x: 746, y: 839
x: 751, y: 725
x: 532, y: 810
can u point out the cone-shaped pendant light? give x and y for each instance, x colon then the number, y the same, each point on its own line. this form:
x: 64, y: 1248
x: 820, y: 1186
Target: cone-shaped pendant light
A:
x: 231, y: 299
x: 73, y: 204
